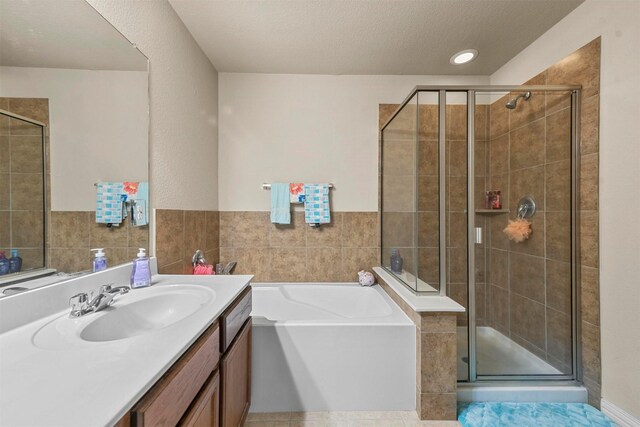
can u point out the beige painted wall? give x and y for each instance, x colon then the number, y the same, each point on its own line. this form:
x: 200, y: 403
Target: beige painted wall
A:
x: 183, y: 91
x: 617, y: 23
x: 98, y: 117
x: 306, y: 128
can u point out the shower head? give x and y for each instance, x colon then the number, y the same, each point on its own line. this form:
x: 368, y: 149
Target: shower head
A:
x: 511, y: 105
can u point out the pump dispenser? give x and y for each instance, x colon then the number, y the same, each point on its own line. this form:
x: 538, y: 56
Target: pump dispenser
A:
x: 141, y: 273
x: 100, y: 261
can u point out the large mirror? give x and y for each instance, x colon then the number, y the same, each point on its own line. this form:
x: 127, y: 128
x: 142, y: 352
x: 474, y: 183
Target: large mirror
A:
x: 74, y: 163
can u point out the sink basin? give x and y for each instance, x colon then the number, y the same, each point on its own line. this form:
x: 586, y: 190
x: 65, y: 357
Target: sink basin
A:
x: 139, y: 312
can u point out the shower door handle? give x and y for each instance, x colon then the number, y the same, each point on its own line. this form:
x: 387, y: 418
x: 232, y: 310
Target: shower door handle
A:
x: 478, y: 235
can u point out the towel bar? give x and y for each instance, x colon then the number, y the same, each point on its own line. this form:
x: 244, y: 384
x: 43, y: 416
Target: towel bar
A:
x: 267, y: 186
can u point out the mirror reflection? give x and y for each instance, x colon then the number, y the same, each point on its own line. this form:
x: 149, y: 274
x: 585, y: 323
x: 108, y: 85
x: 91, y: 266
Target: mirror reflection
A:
x: 73, y: 140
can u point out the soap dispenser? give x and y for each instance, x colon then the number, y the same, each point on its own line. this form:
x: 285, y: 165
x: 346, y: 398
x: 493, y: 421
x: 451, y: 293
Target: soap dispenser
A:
x: 396, y: 261
x: 141, y: 273
x: 4, y: 264
x: 15, y: 262
x: 100, y: 261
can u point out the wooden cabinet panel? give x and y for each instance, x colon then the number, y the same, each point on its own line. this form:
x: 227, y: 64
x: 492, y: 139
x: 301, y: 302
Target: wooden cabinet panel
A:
x: 234, y: 317
x: 205, y: 410
x: 236, y: 379
x: 167, y: 401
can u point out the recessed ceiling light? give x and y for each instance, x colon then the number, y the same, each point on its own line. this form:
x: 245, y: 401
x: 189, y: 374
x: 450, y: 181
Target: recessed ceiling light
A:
x: 464, y: 56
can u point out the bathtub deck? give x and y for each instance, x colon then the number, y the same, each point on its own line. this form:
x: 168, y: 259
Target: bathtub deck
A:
x: 342, y: 419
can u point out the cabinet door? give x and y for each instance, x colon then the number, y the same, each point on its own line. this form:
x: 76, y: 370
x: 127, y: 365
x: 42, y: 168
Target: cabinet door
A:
x: 205, y: 409
x: 236, y: 379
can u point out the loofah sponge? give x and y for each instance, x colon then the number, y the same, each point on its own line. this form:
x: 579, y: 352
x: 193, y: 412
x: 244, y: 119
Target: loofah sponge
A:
x: 518, y: 230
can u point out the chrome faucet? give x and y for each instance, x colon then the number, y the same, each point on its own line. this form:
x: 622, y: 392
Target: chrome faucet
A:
x: 82, y: 303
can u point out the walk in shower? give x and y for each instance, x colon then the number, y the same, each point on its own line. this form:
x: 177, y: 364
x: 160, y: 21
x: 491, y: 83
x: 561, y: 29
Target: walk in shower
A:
x: 457, y: 165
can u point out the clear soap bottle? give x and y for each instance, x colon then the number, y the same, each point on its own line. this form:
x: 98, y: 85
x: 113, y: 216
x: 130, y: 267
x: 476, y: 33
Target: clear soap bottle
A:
x: 141, y: 273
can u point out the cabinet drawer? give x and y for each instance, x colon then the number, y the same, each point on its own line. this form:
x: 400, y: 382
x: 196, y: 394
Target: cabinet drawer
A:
x: 205, y: 409
x: 167, y: 401
x: 234, y: 317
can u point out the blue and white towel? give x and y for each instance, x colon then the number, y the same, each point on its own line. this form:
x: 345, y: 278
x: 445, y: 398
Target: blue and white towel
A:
x: 109, y: 202
x: 316, y: 204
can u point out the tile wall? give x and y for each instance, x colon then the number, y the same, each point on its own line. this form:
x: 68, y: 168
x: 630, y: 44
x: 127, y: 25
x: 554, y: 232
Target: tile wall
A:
x: 334, y: 252
x: 179, y: 233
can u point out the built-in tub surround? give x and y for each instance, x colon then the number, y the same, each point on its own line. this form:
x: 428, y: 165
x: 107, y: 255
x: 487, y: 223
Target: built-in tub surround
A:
x: 333, y: 252
x: 330, y: 347
x: 435, y: 321
x: 77, y: 387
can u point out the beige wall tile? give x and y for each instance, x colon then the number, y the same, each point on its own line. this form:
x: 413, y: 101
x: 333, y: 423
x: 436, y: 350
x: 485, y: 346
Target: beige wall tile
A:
x: 194, y: 232
x: 482, y: 122
x: 590, y: 295
x: 5, y: 153
x: 558, y: 230
x: 499, y: 118
x: 169, y: 236
x: 558, y: 136
x: 559, y: 336
x: 529, y: 110
x: 438, y: 370
x: 251, y: 229
x: 291, y: 235
x: 428, y: 229
x: 212, y: 230
x: 70, y: 259
x: 31, y: 258
x: 591, y: 362
x: 360, y: 229
x: 429, y: 265
x: 397, y: 229
x: 527, y: 146
x: 226, y: 229
x: 427, y: 193
x: 27, y: 191
x: 399, y: 192
x: 21, y: 128
x: 558, y: 285
x: 254, y: 261
x: 288, y: 264
x: 558, y: 186
x: 399, y: 157
x: 589, y: 182
x: 138, y: 236
x: 581, y: 67
x: 499, y: 155
x: 438, y: 323
x: 356, y: 259
x: 5, y: 192
x: 456, y: 119
x: 33, y: 108
x: 527, y: 276
x: 26, y: 154
x: 527, y: 319
x: 70, y: 229
x: 499, y: 271
x: 589, y: 253
x: 527, y: 182
x: 438, y: 406
x: 457, y: 157
x: 589, y: 125
x: 26, y: 229
x: 428, y: 121
x: 327, y: 235
x: 384, y: 113
x: 324, y: 265
x: 102, y: 236
x: 5, y: 229
x: 427, y: 157
x: 499, y: 313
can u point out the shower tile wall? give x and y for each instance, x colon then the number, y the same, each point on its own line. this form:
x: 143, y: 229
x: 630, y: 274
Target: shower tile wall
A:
x: 529, y: 283
x: 21, y: 178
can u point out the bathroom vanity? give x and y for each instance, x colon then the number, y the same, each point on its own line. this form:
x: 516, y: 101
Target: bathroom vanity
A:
x: 185, y: 361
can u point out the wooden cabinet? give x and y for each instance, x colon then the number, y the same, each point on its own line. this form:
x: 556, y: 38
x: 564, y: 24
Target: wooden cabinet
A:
x: 168, y: 400
x: 236, y: 379
x: 202, y: 389
x: 205, y: 410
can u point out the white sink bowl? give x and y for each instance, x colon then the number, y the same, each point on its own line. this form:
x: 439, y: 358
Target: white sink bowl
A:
x: 139, y: 312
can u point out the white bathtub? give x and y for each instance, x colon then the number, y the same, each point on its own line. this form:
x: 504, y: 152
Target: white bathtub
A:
x: 330, y: 347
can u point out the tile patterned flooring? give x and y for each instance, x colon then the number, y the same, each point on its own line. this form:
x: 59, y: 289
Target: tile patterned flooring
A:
x: 342, y: 419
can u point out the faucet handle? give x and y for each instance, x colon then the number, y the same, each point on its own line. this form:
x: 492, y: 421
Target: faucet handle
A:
x: 78, y: 302
x: 106, y: 288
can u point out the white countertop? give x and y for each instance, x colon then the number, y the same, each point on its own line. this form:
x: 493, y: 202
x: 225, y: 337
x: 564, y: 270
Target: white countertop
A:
x: 96, y: 384
x: 419, y: 303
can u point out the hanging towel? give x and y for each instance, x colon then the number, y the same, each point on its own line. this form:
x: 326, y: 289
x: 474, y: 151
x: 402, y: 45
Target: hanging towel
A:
x: 280, y: 205
x: 109, y: 202
x: 316, y: 204
x: 296, y: 190
x: 138, y: 200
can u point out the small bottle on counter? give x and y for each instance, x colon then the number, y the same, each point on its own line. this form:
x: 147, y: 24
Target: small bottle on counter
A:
x: 141, y: 272
x: 4, y: 264
x: 100, y: 260
x: 15, y: 262
x: 396, y: 261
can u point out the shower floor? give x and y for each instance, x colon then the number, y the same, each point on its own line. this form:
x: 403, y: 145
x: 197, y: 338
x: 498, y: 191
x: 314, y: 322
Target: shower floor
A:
x: 499, y: 355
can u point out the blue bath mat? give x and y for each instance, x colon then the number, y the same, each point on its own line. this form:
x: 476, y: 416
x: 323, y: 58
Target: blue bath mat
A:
x: 507, y: 414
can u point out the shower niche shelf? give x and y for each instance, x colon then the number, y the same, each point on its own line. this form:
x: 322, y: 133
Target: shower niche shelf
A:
x: 491, y: 211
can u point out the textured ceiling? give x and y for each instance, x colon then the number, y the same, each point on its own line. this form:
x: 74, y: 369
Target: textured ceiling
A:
x: 365, y: 36
x: 62, y: 34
